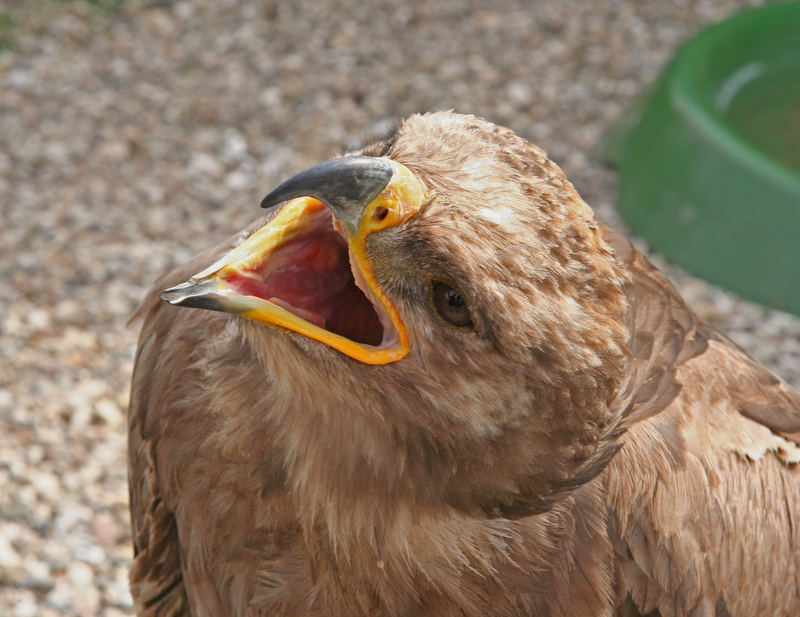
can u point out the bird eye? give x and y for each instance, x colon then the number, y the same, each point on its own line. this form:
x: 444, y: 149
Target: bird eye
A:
x: 450, y: 305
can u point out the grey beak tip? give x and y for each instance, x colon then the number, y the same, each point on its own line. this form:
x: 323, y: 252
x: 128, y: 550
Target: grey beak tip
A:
x: 176, y: 293
x: 194, y: 294
x: 266, y: 203
x: 346, y: 183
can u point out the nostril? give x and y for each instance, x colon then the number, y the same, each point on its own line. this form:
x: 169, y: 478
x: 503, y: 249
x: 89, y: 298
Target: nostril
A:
x: 380, y: 213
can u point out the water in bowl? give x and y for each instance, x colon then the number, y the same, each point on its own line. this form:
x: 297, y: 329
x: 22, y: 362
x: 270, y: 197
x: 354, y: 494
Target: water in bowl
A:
x: 766, y: 111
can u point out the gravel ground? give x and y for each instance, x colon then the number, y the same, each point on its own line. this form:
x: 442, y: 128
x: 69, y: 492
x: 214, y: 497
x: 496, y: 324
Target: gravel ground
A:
x: 131, y: 138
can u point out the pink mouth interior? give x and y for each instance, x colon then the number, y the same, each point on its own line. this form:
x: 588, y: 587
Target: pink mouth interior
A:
x: 310, y: 276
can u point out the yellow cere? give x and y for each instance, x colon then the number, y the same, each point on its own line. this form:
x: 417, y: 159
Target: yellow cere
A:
x: 402, y: 197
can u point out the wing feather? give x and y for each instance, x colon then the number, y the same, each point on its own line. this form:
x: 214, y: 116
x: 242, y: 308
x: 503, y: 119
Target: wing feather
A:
x: 160, y: 369
x: 156, y: 579
x: 708, y: 467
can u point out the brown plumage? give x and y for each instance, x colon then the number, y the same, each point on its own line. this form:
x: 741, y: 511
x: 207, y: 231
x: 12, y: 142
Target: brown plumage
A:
x: 581, y: 444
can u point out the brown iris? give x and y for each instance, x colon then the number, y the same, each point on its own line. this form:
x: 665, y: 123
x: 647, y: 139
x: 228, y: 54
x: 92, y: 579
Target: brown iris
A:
x: 450, y: 305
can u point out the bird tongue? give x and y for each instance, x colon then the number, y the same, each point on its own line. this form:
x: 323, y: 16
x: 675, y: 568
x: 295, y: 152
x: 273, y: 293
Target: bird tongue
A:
x: 310, y: 316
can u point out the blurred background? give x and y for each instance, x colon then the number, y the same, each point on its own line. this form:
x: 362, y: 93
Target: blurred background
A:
x: 134, y: 133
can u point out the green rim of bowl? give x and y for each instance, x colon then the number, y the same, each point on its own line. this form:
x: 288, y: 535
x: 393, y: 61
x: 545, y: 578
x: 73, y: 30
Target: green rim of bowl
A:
x: 690, y: 181
x: 691, y: 96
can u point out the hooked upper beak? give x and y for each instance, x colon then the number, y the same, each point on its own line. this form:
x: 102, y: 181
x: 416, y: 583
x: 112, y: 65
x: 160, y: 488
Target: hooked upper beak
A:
x: 308, y: 270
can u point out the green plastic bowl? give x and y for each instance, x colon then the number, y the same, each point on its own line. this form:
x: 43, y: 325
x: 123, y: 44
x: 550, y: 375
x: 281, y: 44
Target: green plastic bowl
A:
x: 709, y: 159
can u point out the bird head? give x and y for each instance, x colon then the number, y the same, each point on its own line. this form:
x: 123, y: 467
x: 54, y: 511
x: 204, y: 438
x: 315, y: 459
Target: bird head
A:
x: 451, y: 290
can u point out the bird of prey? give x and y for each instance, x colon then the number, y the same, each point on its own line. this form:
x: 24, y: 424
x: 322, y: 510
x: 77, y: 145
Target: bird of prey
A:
x: 429, y: 382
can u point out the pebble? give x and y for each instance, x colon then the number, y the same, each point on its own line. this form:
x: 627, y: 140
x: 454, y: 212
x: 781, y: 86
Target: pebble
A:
x: 80, y: 574
x: 10, y: 559
x: 134, y: 137
x: 26, y: 605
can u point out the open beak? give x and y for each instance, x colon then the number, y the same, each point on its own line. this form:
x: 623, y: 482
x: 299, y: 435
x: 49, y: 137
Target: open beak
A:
x: 308, y: 270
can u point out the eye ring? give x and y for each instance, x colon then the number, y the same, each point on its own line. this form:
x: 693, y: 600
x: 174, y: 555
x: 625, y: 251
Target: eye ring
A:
x: 450, y: 306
